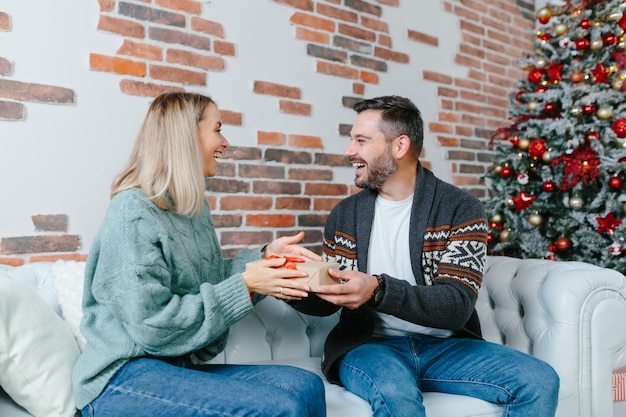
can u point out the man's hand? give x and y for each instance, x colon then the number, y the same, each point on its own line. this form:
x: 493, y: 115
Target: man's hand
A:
x: 287, y: 246
x: 356, y: 290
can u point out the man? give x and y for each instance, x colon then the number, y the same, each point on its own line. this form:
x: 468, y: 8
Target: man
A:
x: 412, y: 250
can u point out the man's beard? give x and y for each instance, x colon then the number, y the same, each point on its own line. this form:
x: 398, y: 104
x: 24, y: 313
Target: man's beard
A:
x: 378, y: 171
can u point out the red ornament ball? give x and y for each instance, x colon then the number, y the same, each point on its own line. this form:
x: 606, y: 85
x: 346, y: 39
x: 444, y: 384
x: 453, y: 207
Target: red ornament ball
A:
x: 549, y: 186
x: 537, y: 148
x: 563, y: 244
x: 589, y: 109
x: 585, y: 23
x: 582, y: 43
x: 619, y: 127
x: 609, y: 39
x: 535, y: 75
x: 506, y: 171
x: 550, y: 108
x: 576, y: 77
x: 615, y: 182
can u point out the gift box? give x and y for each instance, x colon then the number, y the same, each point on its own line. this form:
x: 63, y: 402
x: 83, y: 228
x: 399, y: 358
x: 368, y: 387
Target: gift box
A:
x: 318, y: 271
x: 619, y: 390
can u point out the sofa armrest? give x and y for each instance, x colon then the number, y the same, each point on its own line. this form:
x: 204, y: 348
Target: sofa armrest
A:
x: 569, y: 314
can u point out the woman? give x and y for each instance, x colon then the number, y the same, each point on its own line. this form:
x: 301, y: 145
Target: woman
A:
x: 159, y: 298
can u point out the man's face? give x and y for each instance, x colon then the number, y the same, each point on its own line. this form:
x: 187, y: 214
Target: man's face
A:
x: 369, y: 152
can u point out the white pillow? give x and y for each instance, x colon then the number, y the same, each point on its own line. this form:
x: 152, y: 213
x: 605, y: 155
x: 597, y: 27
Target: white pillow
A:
x: 68, y: 278
x: 37, y: 352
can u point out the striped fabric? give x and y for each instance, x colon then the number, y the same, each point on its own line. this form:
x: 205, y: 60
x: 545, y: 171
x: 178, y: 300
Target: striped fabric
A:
x: 619, y: 388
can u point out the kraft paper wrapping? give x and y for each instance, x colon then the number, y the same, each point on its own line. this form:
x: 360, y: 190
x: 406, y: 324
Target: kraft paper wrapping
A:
x: 318, y: 272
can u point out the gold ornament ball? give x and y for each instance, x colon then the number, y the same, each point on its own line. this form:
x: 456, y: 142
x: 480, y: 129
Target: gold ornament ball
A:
x: 616, y: 15
x: 546, y: 157
x: 509, y: 203
x: 523, y: 143
x: 576, y: 203
x: 504, y: 235
x: 540, y: 63
x: 535, y: 219
x: 497, y: 218
x: 576, y: 111
x: 604, y: 112
x: 544, y: 13
x: 618, y: 80
x: 497, y: 169
x: 531, y: 105
x: 596, y: 44
x: 560, y: 29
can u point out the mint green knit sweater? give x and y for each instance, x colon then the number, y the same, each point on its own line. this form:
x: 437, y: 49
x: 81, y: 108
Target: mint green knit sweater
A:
x: 155, y: 284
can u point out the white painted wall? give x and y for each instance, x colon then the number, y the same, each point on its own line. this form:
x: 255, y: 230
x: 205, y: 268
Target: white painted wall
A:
x: 62, y: 158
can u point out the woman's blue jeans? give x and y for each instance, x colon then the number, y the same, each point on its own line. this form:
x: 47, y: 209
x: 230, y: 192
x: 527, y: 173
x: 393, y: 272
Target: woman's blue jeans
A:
x: 155, y: 388
x: 391, y: 373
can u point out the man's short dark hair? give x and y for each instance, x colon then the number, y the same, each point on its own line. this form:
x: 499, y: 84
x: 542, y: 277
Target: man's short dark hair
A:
x: 399, y: 116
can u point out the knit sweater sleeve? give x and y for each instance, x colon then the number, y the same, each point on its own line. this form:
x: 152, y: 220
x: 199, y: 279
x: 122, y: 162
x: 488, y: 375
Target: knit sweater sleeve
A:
x: 162, y: 278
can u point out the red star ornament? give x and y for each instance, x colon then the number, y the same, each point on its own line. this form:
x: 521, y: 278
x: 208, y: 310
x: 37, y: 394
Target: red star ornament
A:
x: 607, y: 223
x: 599, y: 74
x: 523, y: 201
x: 554, y: 72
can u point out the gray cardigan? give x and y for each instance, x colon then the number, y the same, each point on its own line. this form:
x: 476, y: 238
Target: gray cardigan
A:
x: 448, y: 244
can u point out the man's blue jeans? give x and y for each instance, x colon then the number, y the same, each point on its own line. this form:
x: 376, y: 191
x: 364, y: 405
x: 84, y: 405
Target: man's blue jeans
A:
x: 154, y: 388
x: 391, y: 373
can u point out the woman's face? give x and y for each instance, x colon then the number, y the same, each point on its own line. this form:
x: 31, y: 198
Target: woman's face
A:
x: 212, y: 142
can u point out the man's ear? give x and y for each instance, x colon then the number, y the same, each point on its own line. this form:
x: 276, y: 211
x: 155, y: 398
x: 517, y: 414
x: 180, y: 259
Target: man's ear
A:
x: 401, y: 146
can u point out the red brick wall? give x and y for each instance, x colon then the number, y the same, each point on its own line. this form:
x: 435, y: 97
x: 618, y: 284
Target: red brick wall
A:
x: 15, y: 94
x: 286, y: 182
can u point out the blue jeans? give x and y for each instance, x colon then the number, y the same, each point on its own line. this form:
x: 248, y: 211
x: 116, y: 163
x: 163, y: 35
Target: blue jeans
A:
x: 155, y: 388
x: 391, y: 373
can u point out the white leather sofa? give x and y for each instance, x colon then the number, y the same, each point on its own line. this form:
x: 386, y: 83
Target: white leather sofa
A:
x: 570, y: 314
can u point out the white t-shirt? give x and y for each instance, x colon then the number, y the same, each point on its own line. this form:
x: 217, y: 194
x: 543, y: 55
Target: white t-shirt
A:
x: 389, y: 254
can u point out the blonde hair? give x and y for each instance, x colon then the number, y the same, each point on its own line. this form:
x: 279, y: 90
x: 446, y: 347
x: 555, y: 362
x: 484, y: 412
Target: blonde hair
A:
x: 166, y: 161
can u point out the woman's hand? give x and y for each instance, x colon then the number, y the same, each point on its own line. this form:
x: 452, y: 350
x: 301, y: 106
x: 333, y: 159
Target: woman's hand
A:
x: 265, y: 278
x: 287, y: 246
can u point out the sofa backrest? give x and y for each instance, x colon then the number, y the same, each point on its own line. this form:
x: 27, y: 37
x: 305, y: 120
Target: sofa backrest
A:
x: 276, y: 331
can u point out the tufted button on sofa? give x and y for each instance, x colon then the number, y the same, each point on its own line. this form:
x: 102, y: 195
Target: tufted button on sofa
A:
x: 570, y: 314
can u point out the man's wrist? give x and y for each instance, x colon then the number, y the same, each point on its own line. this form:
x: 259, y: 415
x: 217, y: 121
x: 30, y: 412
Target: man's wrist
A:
x: 379, y: 292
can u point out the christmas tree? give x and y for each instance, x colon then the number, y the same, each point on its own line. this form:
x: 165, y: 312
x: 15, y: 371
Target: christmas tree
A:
x: 557, y: 184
